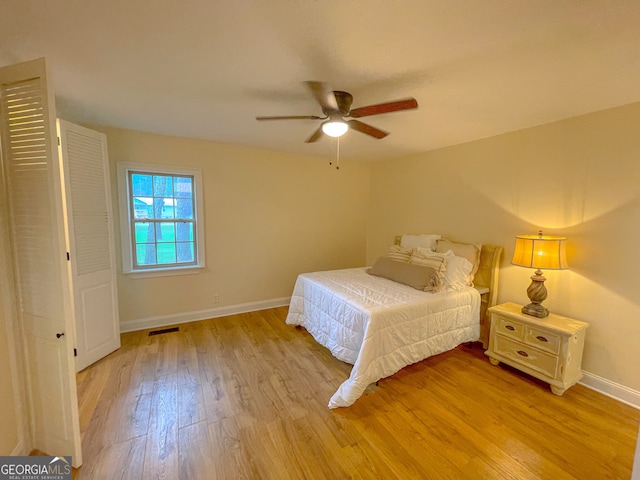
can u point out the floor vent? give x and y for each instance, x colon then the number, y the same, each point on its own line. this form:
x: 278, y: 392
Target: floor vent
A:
x: 166, y: 330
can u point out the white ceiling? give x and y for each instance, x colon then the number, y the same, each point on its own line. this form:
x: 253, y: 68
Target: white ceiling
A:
x: 206, y: 68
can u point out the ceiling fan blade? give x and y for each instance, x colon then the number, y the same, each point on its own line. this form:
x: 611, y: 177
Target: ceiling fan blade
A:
x: 315, y: 135
x: 324, y: 95
x: 368, y: 129
x: 406, y: 104
x: 293, y: 117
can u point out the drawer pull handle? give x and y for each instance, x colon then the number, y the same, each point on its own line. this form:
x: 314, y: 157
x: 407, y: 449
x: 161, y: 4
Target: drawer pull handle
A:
x: 541, y: 338
x: 509, y: 327
x: 523, y: 353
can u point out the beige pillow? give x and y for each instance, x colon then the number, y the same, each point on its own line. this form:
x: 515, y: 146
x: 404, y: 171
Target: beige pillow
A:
x: 465, y: 250
x: 419, y: 277
x: 436, y: 261
x: 399, y: 253
x: 425, y: 240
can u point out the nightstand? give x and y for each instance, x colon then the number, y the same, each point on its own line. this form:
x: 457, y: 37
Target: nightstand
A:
x: 547, y: 348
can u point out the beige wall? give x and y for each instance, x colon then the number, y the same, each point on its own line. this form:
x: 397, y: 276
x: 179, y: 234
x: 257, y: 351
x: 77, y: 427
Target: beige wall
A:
x: 268, y: 217
x: 579, y: 178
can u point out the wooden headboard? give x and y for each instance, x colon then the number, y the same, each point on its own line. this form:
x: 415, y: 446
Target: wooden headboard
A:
x: 486, y: 281
x: 487, y: 277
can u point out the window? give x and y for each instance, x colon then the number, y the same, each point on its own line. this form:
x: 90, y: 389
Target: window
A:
x: 160, y: 210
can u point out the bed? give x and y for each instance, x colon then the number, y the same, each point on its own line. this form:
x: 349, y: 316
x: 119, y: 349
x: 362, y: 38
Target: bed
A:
x: 380, y: 325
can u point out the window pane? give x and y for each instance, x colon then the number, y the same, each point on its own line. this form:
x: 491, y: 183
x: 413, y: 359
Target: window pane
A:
x: 144, y: 232
x: 184, y: 208
x: 184, y: 232
x: 165, y: 232
x: 166, y: 253
x: 146, y: 254
x: 162, y: 186
x: 183, y: 187
x: 168, y: 208
x: 185, y: 252
x: 141, y: 184
x: 142, y: 207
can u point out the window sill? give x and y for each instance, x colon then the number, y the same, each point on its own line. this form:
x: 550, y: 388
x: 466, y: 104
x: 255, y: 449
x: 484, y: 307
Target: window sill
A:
x: 164, y: 272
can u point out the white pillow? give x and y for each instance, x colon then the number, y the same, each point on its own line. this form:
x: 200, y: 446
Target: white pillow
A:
x: 458, y: 270
x: 423, y: 241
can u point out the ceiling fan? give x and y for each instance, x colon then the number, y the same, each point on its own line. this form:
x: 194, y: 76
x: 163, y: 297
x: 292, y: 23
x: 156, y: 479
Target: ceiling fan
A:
x: 336, y: 106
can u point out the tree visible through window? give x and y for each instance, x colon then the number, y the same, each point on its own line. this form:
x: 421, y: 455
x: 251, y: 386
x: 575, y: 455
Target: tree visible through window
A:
x: 163, y: 220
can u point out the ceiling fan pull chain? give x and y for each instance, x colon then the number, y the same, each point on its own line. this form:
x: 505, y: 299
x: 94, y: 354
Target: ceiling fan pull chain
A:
x: 333, y: 141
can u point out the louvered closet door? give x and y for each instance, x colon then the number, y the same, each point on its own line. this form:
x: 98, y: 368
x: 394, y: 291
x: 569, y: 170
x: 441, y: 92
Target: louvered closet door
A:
x: 90, y: 241
x: 32, y: 180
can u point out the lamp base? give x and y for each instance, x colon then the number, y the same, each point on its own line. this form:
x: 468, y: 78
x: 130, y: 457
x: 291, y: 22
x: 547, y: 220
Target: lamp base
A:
x: 535, y: 310
x: 537, y: 293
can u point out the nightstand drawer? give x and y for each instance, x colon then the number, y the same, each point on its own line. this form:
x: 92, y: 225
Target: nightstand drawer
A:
x: 509, y: 328
x: 543, y: 339
x: 531, y: 357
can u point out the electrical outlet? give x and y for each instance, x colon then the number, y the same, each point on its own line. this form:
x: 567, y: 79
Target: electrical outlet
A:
x: 216, y: 298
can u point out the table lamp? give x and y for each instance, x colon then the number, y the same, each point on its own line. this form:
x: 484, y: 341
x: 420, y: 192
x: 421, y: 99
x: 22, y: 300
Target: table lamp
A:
x: 539, y: 251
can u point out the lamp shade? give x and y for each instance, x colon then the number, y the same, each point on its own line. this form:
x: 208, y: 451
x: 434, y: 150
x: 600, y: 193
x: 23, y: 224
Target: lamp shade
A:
x: 541, y: 252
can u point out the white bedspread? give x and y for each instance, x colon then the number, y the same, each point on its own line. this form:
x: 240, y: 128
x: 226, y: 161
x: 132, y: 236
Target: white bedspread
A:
x: 378, y: 325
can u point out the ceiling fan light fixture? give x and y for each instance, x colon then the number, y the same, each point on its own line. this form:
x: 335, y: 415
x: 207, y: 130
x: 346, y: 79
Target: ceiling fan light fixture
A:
x: 335, y: 128
x: 336, y: 106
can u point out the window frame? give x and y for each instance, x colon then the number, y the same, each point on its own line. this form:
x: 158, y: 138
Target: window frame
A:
x: 126, y: 208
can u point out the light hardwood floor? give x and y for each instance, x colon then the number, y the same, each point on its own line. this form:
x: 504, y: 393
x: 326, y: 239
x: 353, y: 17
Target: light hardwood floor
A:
x: 246, y: 396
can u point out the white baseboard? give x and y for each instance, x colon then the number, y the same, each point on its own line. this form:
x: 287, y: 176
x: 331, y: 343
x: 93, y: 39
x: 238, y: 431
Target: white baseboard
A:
x: 164, y: 320
x: 611, y: 389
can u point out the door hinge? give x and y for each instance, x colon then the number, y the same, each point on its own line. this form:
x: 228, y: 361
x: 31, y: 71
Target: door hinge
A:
x: 68, y: 258
x: 58, y: 141
x: 75, y: 352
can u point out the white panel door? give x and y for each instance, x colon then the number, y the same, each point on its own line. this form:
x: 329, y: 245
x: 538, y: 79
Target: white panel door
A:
x: 33, y: 183
x: 90, y: 241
